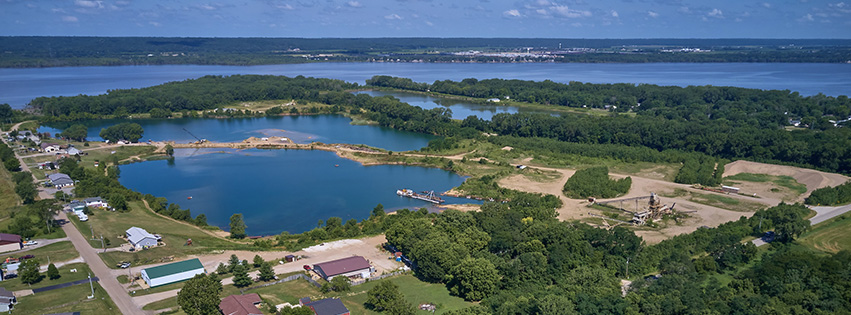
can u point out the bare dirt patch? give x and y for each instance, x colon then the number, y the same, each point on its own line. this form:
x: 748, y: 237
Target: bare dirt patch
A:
x: 813, y: 179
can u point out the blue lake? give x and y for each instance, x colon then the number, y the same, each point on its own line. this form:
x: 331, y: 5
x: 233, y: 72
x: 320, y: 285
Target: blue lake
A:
x: 19, y: 86
x: 302, y: 129
x: 282, y: 190
x: 460, y: 109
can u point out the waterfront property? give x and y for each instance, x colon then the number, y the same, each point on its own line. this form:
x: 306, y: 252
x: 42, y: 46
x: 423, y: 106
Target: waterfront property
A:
x: 96, y: 202
x: 139, y: 238
x: 10, y: 242
x: 346, y: 267
x: 245, y: 304
x: 60, y: 180
x: 173, y: 272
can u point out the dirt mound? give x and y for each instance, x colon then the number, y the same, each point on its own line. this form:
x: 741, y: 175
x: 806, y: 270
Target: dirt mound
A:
x: 811, y: 178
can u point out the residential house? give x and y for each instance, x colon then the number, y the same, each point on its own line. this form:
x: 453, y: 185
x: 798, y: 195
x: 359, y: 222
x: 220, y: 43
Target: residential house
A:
x: 140, y: 238
x: 96, y: 202
x: 60, y: 180
x: 330, y: 306
x: 7, y: 300
x: 347, y: 267
x: 10, y: 242
x: 241, y: 304
x: 49, y: 147
x: 73, y: 151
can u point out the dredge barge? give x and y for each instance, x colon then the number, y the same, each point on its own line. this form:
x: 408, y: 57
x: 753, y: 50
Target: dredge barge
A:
x: 424, y: 196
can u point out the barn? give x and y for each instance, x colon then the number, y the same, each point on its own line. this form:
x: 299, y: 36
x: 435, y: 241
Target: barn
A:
x: 173, y: 272
x: 10, y: 242
x: 347, y: 267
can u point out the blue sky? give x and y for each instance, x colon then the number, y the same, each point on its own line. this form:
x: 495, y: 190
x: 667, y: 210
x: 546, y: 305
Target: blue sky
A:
x: 430, y: 18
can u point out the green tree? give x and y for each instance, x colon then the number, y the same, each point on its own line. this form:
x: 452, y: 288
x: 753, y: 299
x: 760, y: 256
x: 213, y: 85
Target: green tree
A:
x: 378, y: 211
x: 29, y: 271
x: 118, y: 202
x: 52, y: 272
x: 240, y: 277
x: 296, y: 311
x: 237, y: 226
x: 12, y: 164
x: 22, y: 225
x: 46, y: 210
x: 124, y: 131
x: 233, y: 262
x: 77, y: 132
x: 340, y: 284
x: 222, y: 269
x: 473, y: 279
x: 266, y: 272
x: 258, y: 261
x: 169, y: 150
x: 27, y: 191
x: 382, y: 296
x: 200, y: 295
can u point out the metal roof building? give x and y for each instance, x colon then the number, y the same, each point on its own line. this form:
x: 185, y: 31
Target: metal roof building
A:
x: 10, y: 242
x: 139, y: 238
x: 349, y: 266
x: 173, y: 272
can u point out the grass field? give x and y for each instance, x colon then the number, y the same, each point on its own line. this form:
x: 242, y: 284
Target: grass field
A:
x: 416, y: 292
x: 831, y: 236
x: 61, y: 251
x: 8, y: 198
x: 70, y: 299
x: 64, y: 271
x: 113, y: 224
x: 785, y: 184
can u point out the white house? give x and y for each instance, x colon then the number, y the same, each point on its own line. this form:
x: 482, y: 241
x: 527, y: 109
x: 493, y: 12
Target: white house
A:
x: 73, y: 151
x: 173, y: 272
x: 96, y: 202
x: 49, y: 147
x: 7, y: 300
x: 140, y: 238
x: 60, y: 180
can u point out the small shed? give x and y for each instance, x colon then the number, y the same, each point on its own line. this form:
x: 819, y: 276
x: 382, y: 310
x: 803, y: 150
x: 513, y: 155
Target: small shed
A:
x: 347, y: 267
x: 10, y: 242
x: 140, y: 238
x: 290, y: 258
x: 173, y: 272
x: 7, y: 300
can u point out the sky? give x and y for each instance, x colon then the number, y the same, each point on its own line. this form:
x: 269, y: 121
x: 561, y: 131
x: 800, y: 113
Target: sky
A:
x: 430, y: 18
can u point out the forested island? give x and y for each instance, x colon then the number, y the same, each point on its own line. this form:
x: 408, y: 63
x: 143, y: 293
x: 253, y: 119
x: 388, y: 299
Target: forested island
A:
x: 515, y: 256
x: 28, y: 52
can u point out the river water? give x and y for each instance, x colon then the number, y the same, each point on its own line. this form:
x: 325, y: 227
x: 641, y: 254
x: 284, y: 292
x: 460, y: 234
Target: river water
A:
x: 19, y: 86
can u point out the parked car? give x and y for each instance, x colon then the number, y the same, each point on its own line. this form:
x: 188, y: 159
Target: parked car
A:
x: 123, y: 265
x: 29, y: 243
x: 26, y: 257
x: 10, y: 276
x: 306, y: 267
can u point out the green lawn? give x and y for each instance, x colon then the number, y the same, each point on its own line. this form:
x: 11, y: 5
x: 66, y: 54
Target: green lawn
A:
x: 831, y: 236
x: 113, y: 224
x: 415, y: 291
x: 8, y: 198
x: 61, y: 251
x: 70, y: 299
x: 64, y: 271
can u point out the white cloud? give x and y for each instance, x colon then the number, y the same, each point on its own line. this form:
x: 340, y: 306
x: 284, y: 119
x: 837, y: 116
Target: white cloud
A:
x: 156, y: 24
x: 69, y: 18
x: 206, y: 7
x: 393, y: 16
x: 285, y: 6
x: 652, y: 14
x: 543, y: 2
x: 354, y: 4
x: 564, y: 11
x: 614, y: 13
x: 716, y: 13
x: 766, y: 5
x: 89, y: 3
x: 429, y: 23
x: 511, y: 13
x: 808, y: 17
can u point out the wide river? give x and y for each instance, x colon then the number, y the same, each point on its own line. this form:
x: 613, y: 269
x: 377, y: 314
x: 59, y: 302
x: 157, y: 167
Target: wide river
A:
x: 19, y: 86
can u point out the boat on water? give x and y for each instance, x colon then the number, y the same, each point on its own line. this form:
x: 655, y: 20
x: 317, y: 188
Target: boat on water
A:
x: 425, y: 196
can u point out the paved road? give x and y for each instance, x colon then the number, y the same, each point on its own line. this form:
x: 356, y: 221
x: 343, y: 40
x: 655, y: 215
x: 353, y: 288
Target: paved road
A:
x: 827, y: 213
x: 116, y: 292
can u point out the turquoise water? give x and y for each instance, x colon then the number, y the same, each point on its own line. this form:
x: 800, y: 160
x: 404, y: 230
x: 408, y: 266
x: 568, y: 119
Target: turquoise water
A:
x: 282, y: 190
x: 302, y: 129
x: 460, y: 109
x: 19, y: 86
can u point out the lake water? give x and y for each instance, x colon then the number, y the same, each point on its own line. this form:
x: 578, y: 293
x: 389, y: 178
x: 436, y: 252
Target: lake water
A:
x: 302, y: 129
x: 19, y: 86
x: 460, y: 109
x: 282, y: 190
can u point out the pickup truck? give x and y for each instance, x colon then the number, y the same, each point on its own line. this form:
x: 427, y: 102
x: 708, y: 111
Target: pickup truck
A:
x: 29, y: 243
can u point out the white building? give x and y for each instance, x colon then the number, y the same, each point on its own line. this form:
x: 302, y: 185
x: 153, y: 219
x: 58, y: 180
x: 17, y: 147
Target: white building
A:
x: 96, y: 202
x: 140, y: 238
x: 10, y: 242
x: 60, y: 180
x: 173, y: 272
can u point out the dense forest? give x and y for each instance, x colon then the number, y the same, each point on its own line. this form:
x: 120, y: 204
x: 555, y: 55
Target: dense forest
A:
x: 830, y: 195
x: 111, y: 51
x: 595, y: 182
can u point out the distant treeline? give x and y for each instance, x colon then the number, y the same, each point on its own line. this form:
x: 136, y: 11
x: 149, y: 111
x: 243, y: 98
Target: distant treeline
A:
x: 110, y: 51
x: 750, y: 129
x: 828, y: 196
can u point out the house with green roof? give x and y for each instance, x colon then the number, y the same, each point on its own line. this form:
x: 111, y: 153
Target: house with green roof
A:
x: 173, y: 272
